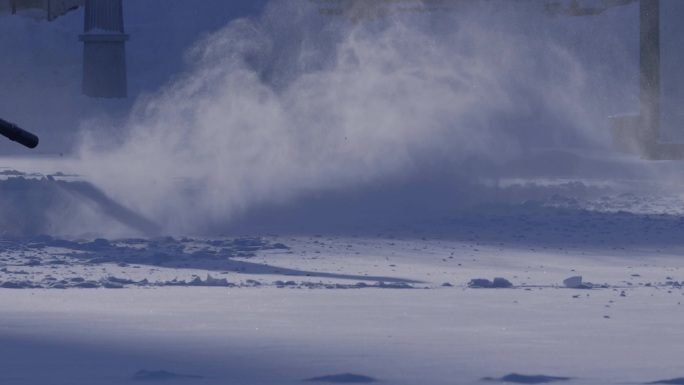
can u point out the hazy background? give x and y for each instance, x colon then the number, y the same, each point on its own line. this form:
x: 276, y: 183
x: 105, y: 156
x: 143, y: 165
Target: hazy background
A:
x: 240, y: 105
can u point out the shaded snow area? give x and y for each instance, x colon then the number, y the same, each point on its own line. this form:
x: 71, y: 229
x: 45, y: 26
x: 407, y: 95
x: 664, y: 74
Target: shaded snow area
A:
x: 290, y: 196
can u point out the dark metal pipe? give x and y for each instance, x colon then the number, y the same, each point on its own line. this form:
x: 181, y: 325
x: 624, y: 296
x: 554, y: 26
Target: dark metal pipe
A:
x: 12, y: 132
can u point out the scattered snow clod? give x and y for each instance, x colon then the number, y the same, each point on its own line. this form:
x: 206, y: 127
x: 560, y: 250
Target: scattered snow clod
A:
x: 87, y: 285
x: 158, y: 375
x: 673, y: 381
x: 281, y: 284
x: 526, y: 379
x: 501, y: 283
x: 121, y: 281
x: 279, y: 246
x: 112, y: 285
x: 11, y: 285
x: 577, y: 283
x: 210, y: 281
x: 394, y: 285
x: 345, y: 378
x: 573, y: 282
x: 482, y: 283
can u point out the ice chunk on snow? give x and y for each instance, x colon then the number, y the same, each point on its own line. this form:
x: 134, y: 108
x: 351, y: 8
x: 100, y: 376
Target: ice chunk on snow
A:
x: 480, y: 283
x: 159, y: 375
x: 526, y: 379
x: 501, y: 283
x: 343, y: 378
x: 210, y: 281
x: 487, y: 284
x: 573, y: 282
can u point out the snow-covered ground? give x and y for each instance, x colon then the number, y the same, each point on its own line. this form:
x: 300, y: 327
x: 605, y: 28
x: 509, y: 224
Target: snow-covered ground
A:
x: 290, y: 197
x: 392, y: 302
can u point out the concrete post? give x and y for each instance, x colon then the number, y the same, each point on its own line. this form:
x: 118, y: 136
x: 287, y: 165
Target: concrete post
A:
x: 104, y: 50
x: 649, y: 59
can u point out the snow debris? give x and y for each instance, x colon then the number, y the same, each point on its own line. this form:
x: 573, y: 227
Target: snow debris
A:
x: 673, y: 381
x: 526, y: 379
x: 12, y: 172
x: 497, y: 283
x: 121, y: 281
x: 210, y: 281
x: 158, y: 375
x: 87, y: 285
x: 11, y: 285
x: 281, y: 284
x: 112, y: 285
x: 576, y: 282
x: 573, y: 282
x: 345, y: 378
x: 501, y: 283
x: 394, y: 285
x: 480, y: 283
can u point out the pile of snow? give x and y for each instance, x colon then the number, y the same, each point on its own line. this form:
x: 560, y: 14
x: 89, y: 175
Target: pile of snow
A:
x: 497, y: 283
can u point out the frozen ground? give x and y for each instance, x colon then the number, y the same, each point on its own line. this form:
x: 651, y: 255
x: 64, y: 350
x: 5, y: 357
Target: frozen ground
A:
x: 389, y: 302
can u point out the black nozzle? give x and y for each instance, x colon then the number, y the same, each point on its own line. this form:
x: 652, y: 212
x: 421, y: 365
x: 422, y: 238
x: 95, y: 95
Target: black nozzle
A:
x: 12, y: 132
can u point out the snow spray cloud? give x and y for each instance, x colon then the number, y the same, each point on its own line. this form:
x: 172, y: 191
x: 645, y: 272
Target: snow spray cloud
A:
x: 298, y: 102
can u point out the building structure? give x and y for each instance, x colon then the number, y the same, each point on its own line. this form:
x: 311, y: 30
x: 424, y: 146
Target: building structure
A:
x: 40, y: 9
x: 104, y: 50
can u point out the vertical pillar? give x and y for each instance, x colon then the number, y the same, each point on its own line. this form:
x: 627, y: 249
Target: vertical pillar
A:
x: 104, y: 50
x: 649, y: 60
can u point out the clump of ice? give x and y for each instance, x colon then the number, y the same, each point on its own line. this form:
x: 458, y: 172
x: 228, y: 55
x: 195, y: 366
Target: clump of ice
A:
x: 347, y: 378
x: 573, y: 282
x: 527, y: 379
x: 160, y: 375
x: 210, y: 281
x: 497, y: 283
